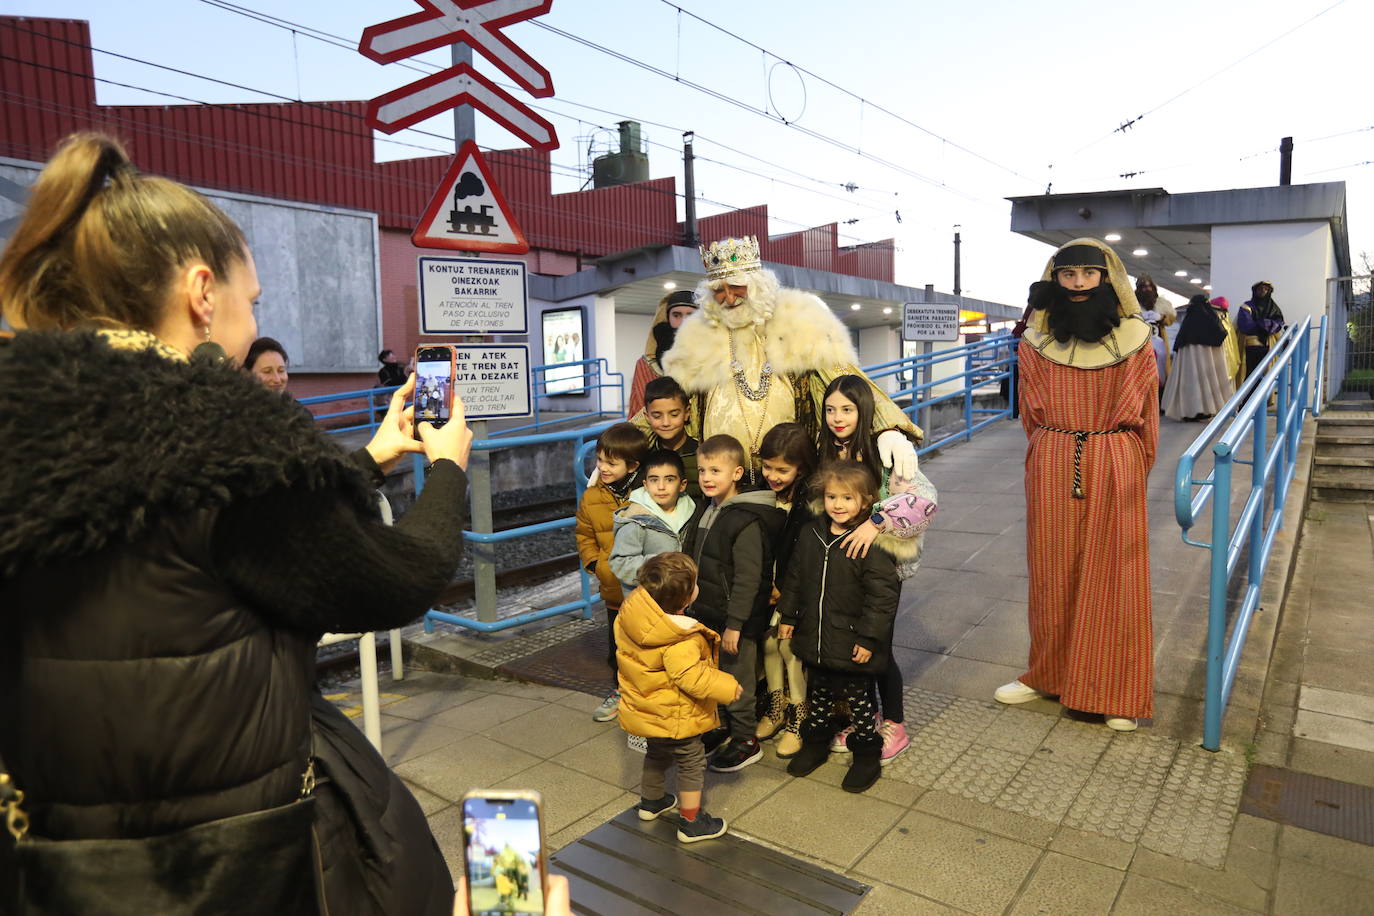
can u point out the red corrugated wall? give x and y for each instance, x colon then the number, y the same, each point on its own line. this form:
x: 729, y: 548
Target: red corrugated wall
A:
x: 321, y: 152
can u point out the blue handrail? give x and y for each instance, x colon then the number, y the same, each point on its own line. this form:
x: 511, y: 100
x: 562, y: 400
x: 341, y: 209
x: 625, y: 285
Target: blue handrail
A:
x: 1285, y: 373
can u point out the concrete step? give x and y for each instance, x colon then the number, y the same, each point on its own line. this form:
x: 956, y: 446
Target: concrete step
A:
x: 1344, y: 461
x: 1345, y: 437
x: 1342, y: 495
x: 1350, y: 419
x: 1358, y: 449
x: 1342, y: 483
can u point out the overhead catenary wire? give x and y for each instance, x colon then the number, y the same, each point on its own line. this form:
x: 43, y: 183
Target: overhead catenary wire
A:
x: 569, y: 171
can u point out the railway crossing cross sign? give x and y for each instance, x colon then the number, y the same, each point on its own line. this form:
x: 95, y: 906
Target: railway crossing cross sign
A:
x: 468, y: 212
x: 478, y: 24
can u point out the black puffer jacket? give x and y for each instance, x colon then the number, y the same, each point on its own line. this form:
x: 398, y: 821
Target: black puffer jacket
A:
x: 173, y: 540
x: 835, y: 602
x: 734, y: 554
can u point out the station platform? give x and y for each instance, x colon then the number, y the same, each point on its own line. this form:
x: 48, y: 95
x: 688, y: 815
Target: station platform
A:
x: 992, y: 809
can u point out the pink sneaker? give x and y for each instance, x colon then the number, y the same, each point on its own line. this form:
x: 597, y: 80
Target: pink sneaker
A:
x: 895, y: 740
x: 840, y: 743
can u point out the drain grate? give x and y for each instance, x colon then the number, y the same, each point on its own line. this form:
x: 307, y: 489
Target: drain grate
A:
x: 1329, y: 806
x: 578, y: 663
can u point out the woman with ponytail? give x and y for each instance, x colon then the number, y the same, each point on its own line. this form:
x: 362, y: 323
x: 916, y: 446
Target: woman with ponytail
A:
x: 174, y: 538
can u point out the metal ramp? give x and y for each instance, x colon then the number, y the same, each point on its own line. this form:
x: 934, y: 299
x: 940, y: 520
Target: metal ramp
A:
x: 630, y: 867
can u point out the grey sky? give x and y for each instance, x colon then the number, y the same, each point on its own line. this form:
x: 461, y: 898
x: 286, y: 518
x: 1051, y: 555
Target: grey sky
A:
x: 1031, y: 90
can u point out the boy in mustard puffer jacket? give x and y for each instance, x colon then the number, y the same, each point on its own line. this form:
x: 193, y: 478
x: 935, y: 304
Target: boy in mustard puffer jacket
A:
x: 670, y: 686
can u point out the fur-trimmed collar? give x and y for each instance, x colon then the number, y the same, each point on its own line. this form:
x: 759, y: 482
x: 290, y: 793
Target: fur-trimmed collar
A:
x: 903, y: 550
x: 803, y: 334
x: 106, y: 443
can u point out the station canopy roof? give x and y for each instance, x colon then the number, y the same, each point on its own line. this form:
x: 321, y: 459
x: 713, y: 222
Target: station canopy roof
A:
x: 1169, y: 236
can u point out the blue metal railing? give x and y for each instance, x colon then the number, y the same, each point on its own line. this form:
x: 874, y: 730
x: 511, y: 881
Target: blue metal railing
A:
x: 986, y: 362
x: 582, y: 376
x: 1285, y: 374
x: 378, y: 399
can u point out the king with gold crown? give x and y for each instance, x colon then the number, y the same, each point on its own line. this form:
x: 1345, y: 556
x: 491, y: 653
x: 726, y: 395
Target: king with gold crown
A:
x: 756, y: 354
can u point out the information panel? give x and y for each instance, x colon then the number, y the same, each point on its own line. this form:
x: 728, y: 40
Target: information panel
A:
x: 472, y: 296
x: 494, y: 381
x: 930, y: 321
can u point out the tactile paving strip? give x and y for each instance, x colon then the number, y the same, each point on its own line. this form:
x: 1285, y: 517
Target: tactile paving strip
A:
x: 576, y: 664
x: 1044, y: 789
x: 981, y: 773
x: 1120, y: 795
x: 1197, y: 807
x: 530, y: 643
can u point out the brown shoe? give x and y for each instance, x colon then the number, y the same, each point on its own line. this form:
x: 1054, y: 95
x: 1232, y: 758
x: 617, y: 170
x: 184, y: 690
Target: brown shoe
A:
x: 774, y: 717
x: 789, y: 742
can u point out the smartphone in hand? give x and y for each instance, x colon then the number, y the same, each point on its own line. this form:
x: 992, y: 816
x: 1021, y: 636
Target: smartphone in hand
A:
x: 436, y: 368
x: 503, y: 853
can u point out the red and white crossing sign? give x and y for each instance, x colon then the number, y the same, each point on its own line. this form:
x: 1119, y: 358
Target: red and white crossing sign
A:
x: 478, y: 24
x: 468, y: 212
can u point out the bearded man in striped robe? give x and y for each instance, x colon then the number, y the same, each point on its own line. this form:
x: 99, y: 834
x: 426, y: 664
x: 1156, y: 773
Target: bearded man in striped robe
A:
x: 1089, y: 403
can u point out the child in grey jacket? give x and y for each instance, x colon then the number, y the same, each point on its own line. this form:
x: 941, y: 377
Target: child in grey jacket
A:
x: 654, y: 520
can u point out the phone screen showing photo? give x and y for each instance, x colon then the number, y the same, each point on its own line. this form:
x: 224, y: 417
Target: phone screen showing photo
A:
x: 433, y: 399
x: 503, y: 862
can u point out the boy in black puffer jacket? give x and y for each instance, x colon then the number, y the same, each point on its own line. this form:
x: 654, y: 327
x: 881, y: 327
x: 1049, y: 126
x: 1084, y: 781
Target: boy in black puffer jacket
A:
x: 839, y: 613
x: 731, y: 539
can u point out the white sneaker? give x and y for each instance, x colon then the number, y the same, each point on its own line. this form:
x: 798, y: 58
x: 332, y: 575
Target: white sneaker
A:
x: 1016, y: 692
x: 1121, y: 724
x: 637, y: 743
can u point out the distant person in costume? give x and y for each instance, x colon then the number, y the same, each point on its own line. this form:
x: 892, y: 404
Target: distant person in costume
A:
x: 757, y: 355
x: 1205, y: 358
x: 1260, y: 323
x: 1089, y: 405
x: 673, y: 309
x: 392, y: 373
x: 1160, y: 314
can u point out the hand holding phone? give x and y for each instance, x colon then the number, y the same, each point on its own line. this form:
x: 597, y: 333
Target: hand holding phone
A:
x: 504, y: 861
x: 440, y: 420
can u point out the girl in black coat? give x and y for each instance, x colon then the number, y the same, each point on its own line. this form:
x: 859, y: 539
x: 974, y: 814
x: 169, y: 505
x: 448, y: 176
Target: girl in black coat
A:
x: 839, y: 611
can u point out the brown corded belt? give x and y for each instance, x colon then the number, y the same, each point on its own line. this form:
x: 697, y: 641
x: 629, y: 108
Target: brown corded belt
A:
x: 1079, y: 437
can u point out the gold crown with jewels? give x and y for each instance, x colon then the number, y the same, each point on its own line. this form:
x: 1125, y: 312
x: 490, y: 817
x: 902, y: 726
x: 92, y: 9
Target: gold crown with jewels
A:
x: 731, y: 256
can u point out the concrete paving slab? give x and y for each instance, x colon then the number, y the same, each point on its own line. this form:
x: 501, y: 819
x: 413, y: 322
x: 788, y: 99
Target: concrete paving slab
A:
x: 1325, y: 851
x: 447, y: 827
x: 1344, y: 763
x: 607, y: 757
x: 884, y: 900
x: 547, y: 730
x: 1142, y: 896
x: 733, y: 794
x: 1062, y: 884
x: 1337, y: 703
x: 966, y: 677
x: 417, y: 739
x: 424, y: 705
x: 585, y: 825
x: 1093, y: 847
x: 1339, y: 730
x: 474, y: 762
x: 999, y: 643
x: 485, y: 712
x: 972, y: 870
x: 1236, y: 889
x: 982, y: 816
x: 428, y: 801
x: 568, y: 794
x: 1306, y: 890
x: 793, y: 817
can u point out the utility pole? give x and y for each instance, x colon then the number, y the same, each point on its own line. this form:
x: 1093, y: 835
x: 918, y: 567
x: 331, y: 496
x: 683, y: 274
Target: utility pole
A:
x: 689, y: 186
x: 1286, y: 161
x: 957, y: 288
x: 479, y: 462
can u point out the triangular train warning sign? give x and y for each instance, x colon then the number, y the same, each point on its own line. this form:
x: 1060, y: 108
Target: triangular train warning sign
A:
x: 468, y: 212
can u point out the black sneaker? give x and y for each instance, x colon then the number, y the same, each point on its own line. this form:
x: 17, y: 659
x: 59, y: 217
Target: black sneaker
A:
x: 648, y: 810
x: 737, y: 755
x: 715, y: 738
x: 705, y: 827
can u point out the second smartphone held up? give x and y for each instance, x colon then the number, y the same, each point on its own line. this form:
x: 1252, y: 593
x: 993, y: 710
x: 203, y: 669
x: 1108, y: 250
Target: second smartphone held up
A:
x: 436, y: 367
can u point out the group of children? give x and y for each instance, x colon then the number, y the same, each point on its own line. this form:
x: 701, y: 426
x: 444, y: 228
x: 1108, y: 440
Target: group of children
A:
x: 703, y: 577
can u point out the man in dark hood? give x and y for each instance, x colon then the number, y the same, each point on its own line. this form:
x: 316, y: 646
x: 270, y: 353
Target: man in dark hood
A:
x: 1260, y: 323
x: 1160, y: 314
